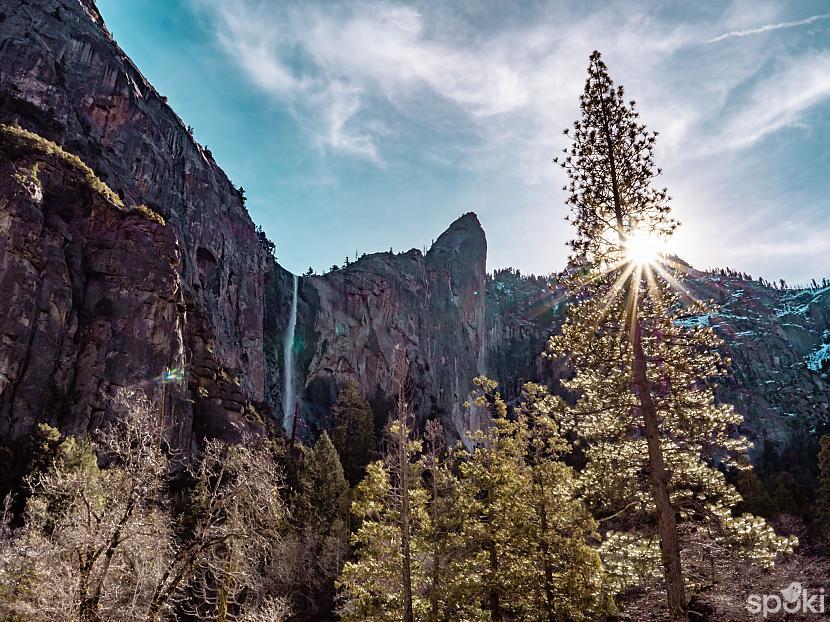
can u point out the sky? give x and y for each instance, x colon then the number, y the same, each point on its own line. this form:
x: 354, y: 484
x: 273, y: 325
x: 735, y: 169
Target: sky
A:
x: 359, y: 126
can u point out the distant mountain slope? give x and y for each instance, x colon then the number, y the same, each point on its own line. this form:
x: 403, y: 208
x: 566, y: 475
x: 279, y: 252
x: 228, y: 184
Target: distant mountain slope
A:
x: 778, y: 340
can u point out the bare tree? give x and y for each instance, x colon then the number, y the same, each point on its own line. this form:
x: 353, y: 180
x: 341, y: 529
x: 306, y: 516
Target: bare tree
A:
x: 94, y: 540
x: 99, y: 544
x: 238, y: 513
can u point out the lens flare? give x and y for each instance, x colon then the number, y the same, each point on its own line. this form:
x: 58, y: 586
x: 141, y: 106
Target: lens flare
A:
x: 643, y: 248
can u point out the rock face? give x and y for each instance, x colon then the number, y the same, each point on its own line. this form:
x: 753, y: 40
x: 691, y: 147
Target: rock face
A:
x: 100, y: 296
x: 778, y: 341
x: 93, y: 293
x: 101, y: 301
x: 140, y: 256
x: 355, y: 323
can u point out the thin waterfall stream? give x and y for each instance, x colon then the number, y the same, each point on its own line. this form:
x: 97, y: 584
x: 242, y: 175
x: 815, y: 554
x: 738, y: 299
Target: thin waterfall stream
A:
x: 288, y: 363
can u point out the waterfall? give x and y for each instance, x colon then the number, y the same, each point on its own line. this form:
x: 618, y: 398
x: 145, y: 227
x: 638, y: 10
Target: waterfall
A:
x: 288, y: 363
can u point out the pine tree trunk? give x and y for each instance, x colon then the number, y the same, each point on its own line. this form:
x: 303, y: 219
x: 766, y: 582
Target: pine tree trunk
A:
x: 408, y: 615
x: 438, y: 546
x: 546, y: 557
x: 494, y: 595
x: 669, y: 545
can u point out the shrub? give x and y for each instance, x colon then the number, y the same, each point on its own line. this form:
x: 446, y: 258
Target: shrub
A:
x: 149, y: 213
x: 25, y: 138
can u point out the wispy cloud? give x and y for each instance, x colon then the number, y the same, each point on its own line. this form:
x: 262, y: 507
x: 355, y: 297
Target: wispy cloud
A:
x: 371, y: 80
x: 768, y: 28
x: 327, y: 61
x: 779, y: 100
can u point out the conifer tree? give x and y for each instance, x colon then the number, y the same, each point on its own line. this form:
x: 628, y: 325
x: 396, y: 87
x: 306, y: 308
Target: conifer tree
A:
x: 496, y: 488
x: 529, y: 529
x: 387, y: 581
x: 755, y: 496
x: 453, y: 566
x: 569, y: 570
x: 646, y: 412
x: 318, y: 538
x: 353, y: 433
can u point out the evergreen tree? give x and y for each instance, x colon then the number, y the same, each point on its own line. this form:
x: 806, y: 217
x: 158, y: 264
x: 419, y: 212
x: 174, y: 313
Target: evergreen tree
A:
x: 412, y: 559
x: 529, y: 531
x: 453, y: 565
x: 323, y: 487
x: 318, y: 538
x: 646, y: 412
x: 569, y: 569
x: 755, y: 496
x: 496, y: 533
x: 353, y: 433
x: 496, y: 485
x: 387, y: 580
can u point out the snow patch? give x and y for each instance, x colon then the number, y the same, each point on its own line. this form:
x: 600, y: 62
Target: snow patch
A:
x: 816, y: 359
x: 695, y: 322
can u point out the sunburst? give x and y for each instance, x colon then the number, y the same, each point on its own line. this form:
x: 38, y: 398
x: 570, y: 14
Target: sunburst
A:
x: 644, y: 266
x: 643, y: 248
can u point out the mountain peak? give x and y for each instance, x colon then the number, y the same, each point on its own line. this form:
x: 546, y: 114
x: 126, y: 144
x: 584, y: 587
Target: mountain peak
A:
x: 466, y: 221
x: 465, y: 233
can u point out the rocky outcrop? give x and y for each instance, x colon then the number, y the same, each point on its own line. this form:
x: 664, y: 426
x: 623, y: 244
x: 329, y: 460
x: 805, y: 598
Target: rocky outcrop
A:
x: 63, y: 77
x: 92, y: 291
x: 355, y: 323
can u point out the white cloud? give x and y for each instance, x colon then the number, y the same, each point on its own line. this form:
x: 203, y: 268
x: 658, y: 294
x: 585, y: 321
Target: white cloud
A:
x: 768, y: 28
x: 340, y: 103
x: 779, y: 99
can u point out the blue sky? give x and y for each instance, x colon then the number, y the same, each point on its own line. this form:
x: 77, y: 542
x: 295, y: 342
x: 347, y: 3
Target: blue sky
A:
x: 363, y: 125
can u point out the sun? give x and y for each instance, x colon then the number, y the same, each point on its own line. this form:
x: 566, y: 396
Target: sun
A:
x: 643, y: 248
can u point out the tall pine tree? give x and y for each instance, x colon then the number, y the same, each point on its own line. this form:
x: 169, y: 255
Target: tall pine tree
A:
x: 496, y: 533
x: 647, y: 414
x: 526, y: 527
x: 387, y: 579
x: 318, y: 537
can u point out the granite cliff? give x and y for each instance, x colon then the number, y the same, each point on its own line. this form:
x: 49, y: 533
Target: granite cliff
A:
x: 777, y: 339
x: 125, y: 250
x: 130, y: 252
x: 100, y: 300
x: 355, y: 322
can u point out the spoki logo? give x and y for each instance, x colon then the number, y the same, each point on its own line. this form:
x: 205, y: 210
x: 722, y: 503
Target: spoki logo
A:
x: 795, y: 598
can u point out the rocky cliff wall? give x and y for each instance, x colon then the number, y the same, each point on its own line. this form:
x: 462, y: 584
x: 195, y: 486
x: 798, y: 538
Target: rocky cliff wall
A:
x: 62, y: 76
x: 147, y: 259
x: 355, y: 323
x: 100, y: 297
x: 778, y: 341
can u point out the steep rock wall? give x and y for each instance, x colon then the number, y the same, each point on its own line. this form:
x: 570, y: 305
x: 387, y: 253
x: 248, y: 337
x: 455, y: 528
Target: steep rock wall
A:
x: 193, y: 289
x: 99, y: 296
x: 778, y: 341
x: 62, y: 76
x: 354, y: 324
